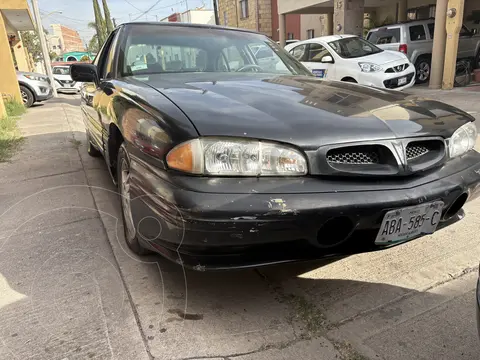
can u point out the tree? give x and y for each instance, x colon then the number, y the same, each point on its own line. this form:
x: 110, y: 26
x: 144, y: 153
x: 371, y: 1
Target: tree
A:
x: 32, y: 43
x: 99, y: 24
x: 92, y: 46
x: 108, y: 19
x: 85, y: 58
x: 53, y: 55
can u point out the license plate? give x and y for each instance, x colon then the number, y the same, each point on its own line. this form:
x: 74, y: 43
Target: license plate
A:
x: 407, y: 223
x: 402, y: 81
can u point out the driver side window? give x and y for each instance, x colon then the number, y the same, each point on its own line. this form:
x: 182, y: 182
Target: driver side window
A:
x: 298, y: 52
x: 317, y: 52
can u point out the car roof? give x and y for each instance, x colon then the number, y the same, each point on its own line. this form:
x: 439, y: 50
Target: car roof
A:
x: 409, y: 22
x: 326, y: 39
x: 180, y: 24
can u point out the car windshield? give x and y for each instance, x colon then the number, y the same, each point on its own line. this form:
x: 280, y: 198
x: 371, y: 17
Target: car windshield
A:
x: 153, y: 49
x: 63, y: 70
x: 353, y: 47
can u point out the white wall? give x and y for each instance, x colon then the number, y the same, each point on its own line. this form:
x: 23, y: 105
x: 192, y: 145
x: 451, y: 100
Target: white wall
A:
x: 314, y: 22
x: 198, y: 17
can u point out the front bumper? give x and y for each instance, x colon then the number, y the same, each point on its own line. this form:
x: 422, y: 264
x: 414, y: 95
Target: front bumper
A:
x: 43, y: 90
x: 218, y: 230
x: 388, y: 80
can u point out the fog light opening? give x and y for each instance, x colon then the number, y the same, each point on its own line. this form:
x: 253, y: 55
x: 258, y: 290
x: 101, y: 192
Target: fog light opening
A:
x: 456, y: 206
x: 334, y: 232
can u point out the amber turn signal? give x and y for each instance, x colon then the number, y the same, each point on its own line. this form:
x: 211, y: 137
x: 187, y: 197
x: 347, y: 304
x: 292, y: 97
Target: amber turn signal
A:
x: 185, y: 157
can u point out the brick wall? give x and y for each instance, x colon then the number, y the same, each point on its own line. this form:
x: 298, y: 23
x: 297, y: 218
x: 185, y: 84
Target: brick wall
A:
x: 230, y: 14
x: 71, y: 40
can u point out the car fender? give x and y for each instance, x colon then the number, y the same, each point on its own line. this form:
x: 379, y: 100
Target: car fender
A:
x: 34, y: 93
x: 148, y: 125
x: 417, y: 53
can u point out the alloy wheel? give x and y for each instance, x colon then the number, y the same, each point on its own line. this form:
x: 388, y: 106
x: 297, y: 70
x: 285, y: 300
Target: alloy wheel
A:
x: 423, y: 71
x: 24, y: 97
x: 126, y: 201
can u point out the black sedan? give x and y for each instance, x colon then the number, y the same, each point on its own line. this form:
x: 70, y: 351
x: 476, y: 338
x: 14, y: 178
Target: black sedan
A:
x: 226, y: 160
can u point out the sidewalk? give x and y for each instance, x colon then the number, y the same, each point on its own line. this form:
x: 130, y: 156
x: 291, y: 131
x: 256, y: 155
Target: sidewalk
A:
x: 61, y: 294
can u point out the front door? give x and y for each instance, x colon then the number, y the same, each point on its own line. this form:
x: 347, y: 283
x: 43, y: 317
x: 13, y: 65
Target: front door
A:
x: 315, y: 61
x: 466, y: 47
x: 94, y: 100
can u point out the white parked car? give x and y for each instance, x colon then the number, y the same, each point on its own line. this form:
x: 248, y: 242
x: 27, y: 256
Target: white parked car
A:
x: 350, y: 58
x: 63, y: 80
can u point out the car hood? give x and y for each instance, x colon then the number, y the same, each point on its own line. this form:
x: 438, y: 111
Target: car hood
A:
x: 384, y: 57
x: 62, y: 77
x: 302, y: 110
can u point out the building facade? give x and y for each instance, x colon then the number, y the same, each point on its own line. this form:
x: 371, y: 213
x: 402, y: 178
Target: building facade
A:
x: 15, y: 16
x: 259, y: 15
x: 64, y: 39
x: 198, y: 16
x: 247, y: 14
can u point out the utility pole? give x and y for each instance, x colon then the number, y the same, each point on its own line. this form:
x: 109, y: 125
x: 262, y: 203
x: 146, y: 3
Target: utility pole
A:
x: 114, y: 23
x: 43, y: 42
x: 215, y: 10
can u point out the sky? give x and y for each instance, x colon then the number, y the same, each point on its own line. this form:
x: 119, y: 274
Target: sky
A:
x: 76, y: 14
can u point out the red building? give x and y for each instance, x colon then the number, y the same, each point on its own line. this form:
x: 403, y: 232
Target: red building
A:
x: 292, y: 22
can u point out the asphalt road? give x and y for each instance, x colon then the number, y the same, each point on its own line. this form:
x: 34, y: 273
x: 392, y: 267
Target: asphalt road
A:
x: 70, y: 289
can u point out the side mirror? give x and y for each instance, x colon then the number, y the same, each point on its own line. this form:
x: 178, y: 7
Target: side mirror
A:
x: 327, y: 59
x: 84, y: 73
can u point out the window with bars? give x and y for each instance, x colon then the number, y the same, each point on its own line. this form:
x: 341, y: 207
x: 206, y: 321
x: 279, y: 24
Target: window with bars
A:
x: 310, y: 33
x: 244, y: 9
x: 290, y: 36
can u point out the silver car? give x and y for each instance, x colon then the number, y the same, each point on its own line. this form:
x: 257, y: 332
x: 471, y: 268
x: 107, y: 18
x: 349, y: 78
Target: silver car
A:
x: 415, y: 39
x: 34, y: 87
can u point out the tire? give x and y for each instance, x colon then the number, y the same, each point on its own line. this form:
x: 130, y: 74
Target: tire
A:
x: 92, y: 150
x: 27, y: 96
x: 123, y: 172
x: 476, y: 62
x: 423, y: 70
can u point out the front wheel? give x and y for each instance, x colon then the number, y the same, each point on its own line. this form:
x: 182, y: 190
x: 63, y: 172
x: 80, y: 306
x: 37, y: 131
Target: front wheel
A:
x: 476, y: 62
x: 422, y: 67
x: 27, y: 96
x: 124, y: 182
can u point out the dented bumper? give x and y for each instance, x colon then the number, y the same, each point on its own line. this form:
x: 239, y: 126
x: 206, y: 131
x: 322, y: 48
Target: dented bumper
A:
x: 197, y: 222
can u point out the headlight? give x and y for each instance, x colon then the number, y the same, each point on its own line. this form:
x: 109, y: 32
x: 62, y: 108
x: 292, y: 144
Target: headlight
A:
x: 236, y: 157
x: 369, y: 67
x: 37, y: 78
x: 462, y: 140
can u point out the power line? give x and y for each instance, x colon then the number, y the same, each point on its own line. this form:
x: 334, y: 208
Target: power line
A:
x: 146, y: 11
x: 129, y: 3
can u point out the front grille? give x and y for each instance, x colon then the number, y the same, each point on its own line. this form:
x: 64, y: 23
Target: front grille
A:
x: 424, y: 153
x: 415, y: 151
x: 65, y: 82
x: 359, y: 155
x: 393, y: 83
x: 398, y: 68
